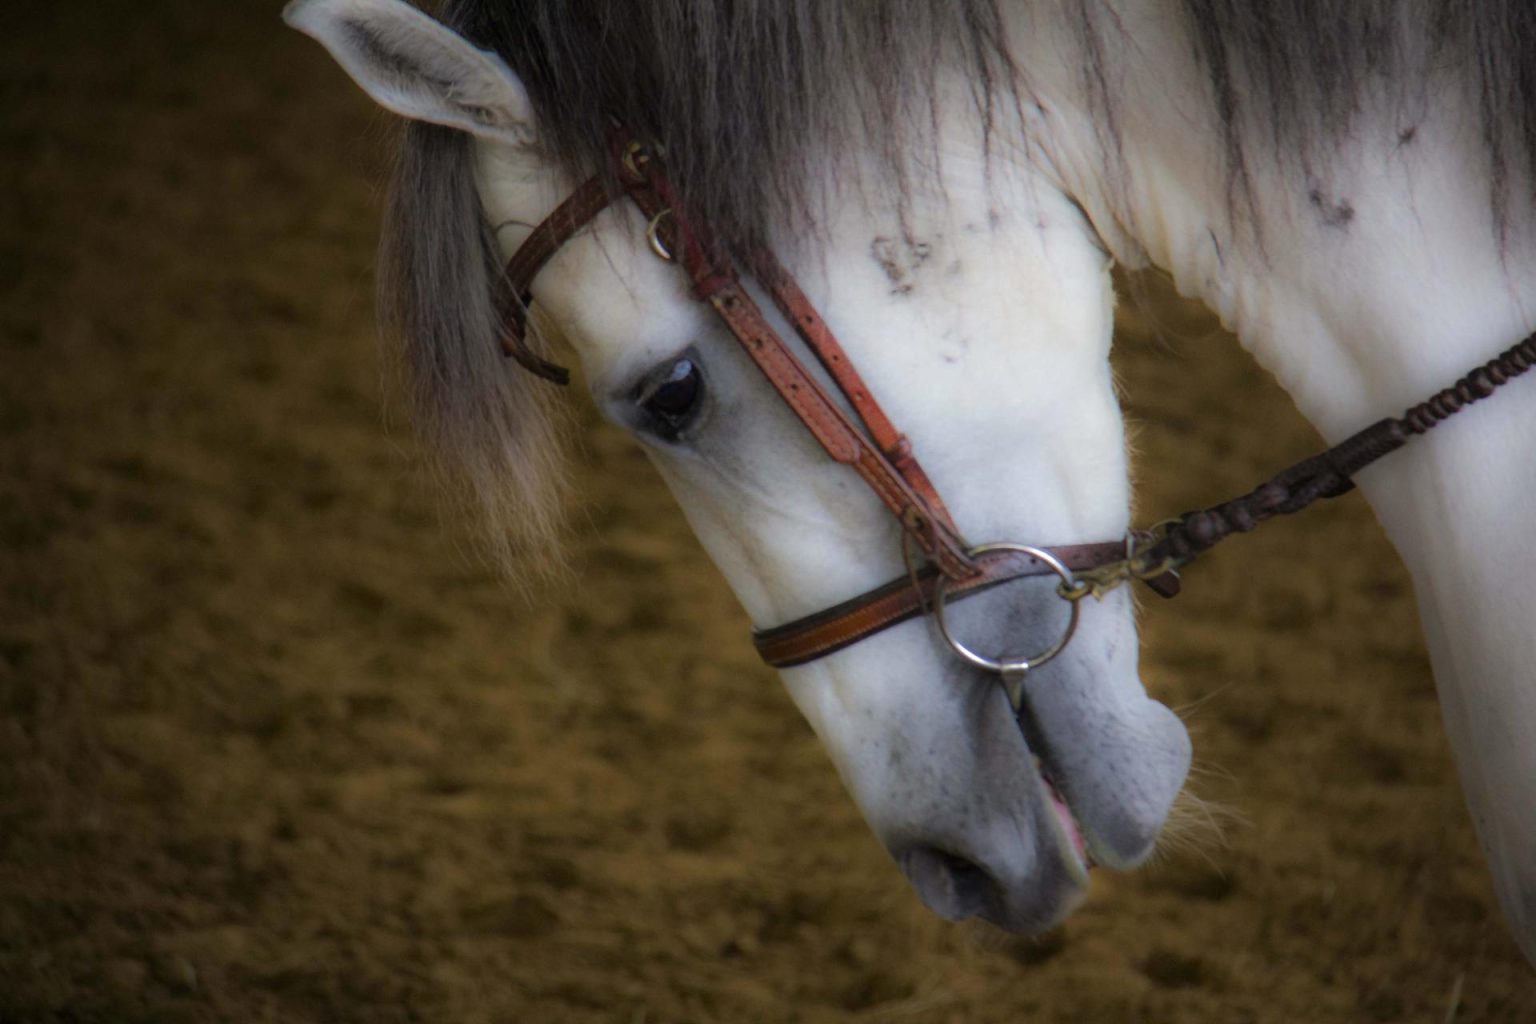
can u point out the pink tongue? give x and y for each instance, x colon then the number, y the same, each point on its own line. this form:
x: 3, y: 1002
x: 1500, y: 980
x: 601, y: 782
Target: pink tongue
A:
x: 1068, y: 822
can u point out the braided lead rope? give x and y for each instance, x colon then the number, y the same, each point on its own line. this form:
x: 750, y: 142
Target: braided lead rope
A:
x: 1325, y: 475
x: 1328, y: 474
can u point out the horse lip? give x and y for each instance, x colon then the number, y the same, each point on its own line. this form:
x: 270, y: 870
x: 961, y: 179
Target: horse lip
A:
x: 1070, y: 840
x: 1119, y: 814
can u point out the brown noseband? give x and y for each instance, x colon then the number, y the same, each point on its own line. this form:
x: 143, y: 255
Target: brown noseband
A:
x: 884, y: 458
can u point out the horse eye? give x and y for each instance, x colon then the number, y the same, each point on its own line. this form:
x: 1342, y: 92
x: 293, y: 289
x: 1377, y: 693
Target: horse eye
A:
x: 672, y: 400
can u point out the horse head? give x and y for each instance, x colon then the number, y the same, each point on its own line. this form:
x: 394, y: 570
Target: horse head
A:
x: 978, y: 309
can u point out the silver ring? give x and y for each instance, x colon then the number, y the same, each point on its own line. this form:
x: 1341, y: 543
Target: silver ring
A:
x: 1007, y: 665
x: 653, y: 235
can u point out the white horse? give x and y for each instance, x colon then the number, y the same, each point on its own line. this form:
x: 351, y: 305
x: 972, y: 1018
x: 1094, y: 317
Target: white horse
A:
x: 1358, y: 212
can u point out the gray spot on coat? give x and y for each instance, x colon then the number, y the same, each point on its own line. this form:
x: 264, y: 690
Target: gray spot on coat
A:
x: 900, y: 259
x: 1334, y: 213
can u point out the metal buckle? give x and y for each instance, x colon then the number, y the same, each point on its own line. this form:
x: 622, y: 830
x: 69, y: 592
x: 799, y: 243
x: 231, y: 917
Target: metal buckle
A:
x: 1012, y: 670
x: 1097, y: 582
x: 630, y: 160
x: 653, y: 235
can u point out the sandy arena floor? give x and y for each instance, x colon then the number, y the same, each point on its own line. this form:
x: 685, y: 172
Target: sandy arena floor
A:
x: 277, y: 748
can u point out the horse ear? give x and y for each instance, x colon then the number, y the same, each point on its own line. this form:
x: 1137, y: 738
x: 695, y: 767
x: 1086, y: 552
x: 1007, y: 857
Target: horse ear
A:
x: 417, y: 67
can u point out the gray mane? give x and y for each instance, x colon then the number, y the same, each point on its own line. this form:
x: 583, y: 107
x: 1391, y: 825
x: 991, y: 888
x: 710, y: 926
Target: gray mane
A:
x: 1295, y: 72
x: 747, y: 97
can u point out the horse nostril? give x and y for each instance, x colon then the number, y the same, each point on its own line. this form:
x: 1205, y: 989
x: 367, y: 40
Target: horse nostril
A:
x: 950, y: 886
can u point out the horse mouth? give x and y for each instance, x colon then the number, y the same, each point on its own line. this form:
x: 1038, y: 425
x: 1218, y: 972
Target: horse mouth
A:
x: 956, y: 887
x: 1068, y: 835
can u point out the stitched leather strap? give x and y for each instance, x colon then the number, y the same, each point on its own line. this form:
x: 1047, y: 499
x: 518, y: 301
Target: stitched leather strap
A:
x: 818, y: 337
x: 903, y: 488
x: 576, y: 212
x: 907, y: 597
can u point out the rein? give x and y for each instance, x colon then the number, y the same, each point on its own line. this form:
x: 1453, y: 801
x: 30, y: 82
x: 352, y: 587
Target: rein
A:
x: 883, y: 456
x: 1328, y: 474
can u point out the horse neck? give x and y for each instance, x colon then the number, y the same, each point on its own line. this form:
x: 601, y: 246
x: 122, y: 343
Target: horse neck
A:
x: 1364, y: 282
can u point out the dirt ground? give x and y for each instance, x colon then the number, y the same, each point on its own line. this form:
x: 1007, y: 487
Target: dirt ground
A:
x: 276, y: 747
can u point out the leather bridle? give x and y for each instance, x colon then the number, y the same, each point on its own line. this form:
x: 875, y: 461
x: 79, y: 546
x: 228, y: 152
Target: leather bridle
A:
x: 867, y: 441
x: 883, y: 456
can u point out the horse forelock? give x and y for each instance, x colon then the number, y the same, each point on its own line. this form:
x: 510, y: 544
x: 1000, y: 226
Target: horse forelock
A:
x: 492, y: 427
x: 751, y: 100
